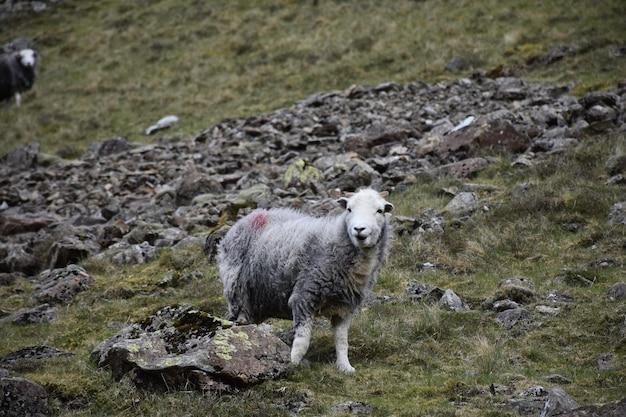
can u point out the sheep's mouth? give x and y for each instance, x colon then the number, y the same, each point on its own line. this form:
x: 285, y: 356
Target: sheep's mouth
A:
x: 361, y: 238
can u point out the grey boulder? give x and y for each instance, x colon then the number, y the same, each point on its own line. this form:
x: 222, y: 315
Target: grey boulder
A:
x: 180, y: 346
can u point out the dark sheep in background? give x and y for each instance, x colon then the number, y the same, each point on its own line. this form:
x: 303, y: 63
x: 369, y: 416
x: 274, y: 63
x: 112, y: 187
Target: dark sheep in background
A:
x: 17, y: 73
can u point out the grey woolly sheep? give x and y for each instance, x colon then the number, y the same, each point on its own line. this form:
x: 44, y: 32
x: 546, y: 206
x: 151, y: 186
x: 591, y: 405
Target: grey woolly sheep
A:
x: 284, y: 264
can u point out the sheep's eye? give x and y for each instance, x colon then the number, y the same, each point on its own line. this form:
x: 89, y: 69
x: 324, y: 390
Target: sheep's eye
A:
x: 380, y: 211
x: 349, y: 210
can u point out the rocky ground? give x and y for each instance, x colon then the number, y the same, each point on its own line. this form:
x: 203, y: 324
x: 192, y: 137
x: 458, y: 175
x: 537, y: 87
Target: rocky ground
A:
x: 121, y: 201
x: 125, y: 204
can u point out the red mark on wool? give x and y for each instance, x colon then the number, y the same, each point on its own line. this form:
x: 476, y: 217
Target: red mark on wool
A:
x: 259, y: 220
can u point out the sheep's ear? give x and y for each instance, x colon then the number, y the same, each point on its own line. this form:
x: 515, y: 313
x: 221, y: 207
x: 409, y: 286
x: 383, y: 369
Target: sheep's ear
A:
x: 384, y: 194
x: 388, y: 207
x: 343, y: 202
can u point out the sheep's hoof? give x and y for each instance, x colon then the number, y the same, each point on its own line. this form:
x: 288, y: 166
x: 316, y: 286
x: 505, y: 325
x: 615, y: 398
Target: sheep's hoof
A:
x: 346, y: 368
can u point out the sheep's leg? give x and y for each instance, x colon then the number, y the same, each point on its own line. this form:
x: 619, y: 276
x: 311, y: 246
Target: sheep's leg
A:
x: 18, y: 99
x: 341, y: 326
x: 301, y: 341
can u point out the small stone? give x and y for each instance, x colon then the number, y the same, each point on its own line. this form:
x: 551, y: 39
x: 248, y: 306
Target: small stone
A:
x: 30, y: 355
x: 617, y: 291
x: 462, y: 204
x: 607, y: 362
x: 599, y: 113
x: 518, y: 289
x: 450, y: 301
x: 456, y: 64
x: 505, y: 304
x: 510, y: 318
x: 421, y: 291
x: 617, y: 214
x: 616, y: 164
x: 352, y: 407
x: 618, y: 179
x: 40, y: 314
x: 61, y: 285
x: 573, y: 279
x: 558, y: 379
x: 463, y: 169
x: 552, y: 311
x: 20, y: 397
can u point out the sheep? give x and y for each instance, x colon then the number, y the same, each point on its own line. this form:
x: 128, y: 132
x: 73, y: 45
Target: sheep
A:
x: 17, y: 73
x: 281, y: 263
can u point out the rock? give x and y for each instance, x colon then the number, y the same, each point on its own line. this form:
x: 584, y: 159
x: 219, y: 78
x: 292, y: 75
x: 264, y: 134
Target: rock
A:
x: 181, y: 347
x: 301, y: 173
x: 599, y: 97
x: 18, y: 258
x: 543, y: 402
x: 463, y: 169
x: 8, y: 278
x: 456, y: 64
x: 16, y: 224
x: 73, y: 246
x: 195, y: 183
x: 573, y: 279
x: 357, y: 174
x: 123, y: 253
x: 163, y: 123
x: 558, y: 379
x: 518, y: 289
x: 40, y: 314
x: 463, y: 203
x: 450, y: 301
x: 505, y: 304
x: 23, y: 158
x: 557, y: 402
x: 599, y: 113
x: 27, y: 357
x: 109, y: 147
x: 617, y: 409
x: 144, y: 232
x: 510, y: 88
x: 551, y: 311
x: 490, y: 134
x: 62, y: 284
x: 617, y: 215
x: 510, y: 318
x: 421, y: 291
x: 352, y: 407
x: 20, y: 397
x: 607, y: 362
x: 617, y: 291
x: 616, y: 164
x: 618, y: 179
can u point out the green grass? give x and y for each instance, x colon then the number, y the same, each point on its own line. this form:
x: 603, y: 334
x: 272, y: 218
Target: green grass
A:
x: 112, y: 68
x: 412, y: 359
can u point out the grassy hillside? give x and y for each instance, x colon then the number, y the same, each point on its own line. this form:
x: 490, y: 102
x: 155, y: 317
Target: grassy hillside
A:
x: 112, y: 68
x: 412, y: 359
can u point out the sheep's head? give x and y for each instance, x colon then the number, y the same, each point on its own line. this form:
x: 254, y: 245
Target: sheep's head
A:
x: 365, y: 216
x: 28, y: 57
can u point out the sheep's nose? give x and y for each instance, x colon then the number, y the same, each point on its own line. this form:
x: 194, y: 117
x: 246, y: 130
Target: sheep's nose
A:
x: 359, y: 229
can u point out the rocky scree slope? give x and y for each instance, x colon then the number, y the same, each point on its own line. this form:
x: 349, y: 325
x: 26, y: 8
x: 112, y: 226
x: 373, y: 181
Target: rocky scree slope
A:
x: 122, y: 201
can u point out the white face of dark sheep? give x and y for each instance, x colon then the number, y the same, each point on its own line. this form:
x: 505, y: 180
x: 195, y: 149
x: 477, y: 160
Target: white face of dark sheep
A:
x: 365, y: 216
x: 28, y: 57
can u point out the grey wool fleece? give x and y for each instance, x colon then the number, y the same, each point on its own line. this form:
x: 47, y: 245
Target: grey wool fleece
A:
x: 281, y: 263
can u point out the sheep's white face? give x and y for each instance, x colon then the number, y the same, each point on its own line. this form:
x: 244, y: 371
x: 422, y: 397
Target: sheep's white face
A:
x: 365, y: 217
x: 28, y: 57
